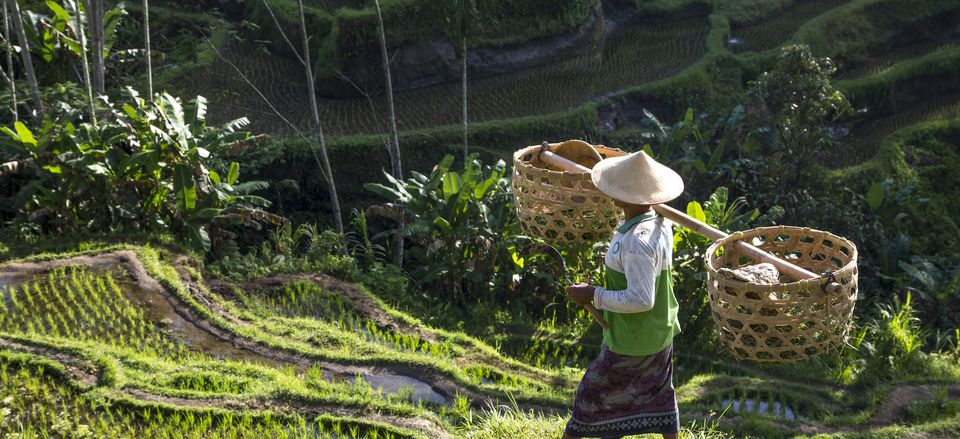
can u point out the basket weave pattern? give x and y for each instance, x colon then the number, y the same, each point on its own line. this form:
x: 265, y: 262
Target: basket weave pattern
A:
x: 561, y: 207
x: 790, y: 321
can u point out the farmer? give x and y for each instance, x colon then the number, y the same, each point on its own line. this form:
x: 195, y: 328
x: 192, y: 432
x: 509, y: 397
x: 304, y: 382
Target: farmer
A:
x: 628, y: 389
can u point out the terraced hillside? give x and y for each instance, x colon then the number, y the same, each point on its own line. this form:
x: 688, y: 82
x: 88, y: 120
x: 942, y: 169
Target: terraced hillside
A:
x: 130, y: 341
x: 634, y: 56
x: 772, y: 31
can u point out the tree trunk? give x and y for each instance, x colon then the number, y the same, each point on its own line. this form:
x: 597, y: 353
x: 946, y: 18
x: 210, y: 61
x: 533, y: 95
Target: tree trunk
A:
x: 86, y: 66
x: 95, y: 21
x: 327, y: 170
x: 463, y: 68
x: 146, y: 42
x: 25, y: 56
x: 394, y: 147
x: 397, y: 170
x: 12, y: 73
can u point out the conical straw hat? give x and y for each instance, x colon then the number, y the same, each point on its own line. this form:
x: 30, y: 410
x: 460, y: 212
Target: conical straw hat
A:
x: 637, y: 179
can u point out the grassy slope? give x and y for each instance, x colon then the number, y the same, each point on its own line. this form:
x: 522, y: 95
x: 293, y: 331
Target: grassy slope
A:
x: 924, y: 155
x: 705, y: 384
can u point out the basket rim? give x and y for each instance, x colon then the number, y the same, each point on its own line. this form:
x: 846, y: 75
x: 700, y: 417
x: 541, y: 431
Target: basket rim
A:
x: 521, y: 165
x: 713, y: 273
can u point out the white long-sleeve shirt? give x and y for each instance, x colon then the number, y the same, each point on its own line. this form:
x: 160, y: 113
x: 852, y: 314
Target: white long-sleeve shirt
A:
x: 641, y: 251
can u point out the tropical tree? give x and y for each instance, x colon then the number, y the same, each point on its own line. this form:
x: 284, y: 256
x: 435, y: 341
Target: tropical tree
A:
x: 394, y: 147
x: 146, y: 43
x: 153, y: 165
x: 461, y: 225
x: 800, y: 106
x: 10, y: 75
x: 464, y: 14
x: 95, y: 21
x: 324, y: 159
x: 29, y: 71
x: 78, y: 27
x: 311, y: 92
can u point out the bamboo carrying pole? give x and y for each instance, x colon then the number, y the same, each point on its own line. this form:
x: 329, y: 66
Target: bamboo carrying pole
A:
x: 702, y: 228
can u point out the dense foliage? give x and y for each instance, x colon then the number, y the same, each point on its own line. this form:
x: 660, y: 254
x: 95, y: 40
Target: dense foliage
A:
x: 462, y: 224
x: 152, y: 165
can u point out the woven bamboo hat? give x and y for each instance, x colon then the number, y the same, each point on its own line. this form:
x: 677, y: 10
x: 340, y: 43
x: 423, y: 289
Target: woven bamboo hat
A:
x: 637, y: 179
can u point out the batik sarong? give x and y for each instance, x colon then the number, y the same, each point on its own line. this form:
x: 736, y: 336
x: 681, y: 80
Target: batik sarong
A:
x: 623, y: 395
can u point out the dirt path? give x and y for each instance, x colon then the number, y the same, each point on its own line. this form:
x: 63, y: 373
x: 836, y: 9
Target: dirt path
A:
x: 895, y: 406
x: 304, y: 409
x: 78, y: 368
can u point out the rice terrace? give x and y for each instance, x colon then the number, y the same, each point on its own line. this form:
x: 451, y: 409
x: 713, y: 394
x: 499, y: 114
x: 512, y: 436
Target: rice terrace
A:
x: 392, y: 219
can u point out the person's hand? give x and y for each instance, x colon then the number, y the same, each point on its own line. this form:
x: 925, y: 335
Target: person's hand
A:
x: 582, y: 294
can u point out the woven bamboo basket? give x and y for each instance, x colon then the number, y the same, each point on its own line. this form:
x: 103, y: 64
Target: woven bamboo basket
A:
x: 561, y: 207
x: 793, y: 320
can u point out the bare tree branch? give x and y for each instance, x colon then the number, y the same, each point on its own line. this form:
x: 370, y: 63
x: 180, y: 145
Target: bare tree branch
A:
x: 334, y: 199
x: 373, y: 109
x: 146, y: 43
x: 269, y: 104
x: 282, y: 33
x: 25, y: 55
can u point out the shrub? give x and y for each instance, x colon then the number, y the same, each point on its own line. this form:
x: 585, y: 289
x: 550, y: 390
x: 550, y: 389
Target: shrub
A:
x: 940, y: 406
x: 798, y: 106
x: 889, y: 347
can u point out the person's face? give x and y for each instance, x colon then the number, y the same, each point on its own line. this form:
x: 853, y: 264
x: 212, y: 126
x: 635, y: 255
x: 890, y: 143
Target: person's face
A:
x: 629, y: 207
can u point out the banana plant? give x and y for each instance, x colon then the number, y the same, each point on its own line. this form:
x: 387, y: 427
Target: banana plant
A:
x: 154, y: 165
x: 459, y: 222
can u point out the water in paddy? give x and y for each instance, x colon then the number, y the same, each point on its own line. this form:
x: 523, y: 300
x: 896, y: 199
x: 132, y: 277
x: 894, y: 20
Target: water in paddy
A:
x: 763, y: 407
x: 160, y: 310
x: 391, y: 383
x: 10, y: 280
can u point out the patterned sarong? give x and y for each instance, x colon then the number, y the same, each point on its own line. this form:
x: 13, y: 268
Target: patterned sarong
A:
x: 622, y: 395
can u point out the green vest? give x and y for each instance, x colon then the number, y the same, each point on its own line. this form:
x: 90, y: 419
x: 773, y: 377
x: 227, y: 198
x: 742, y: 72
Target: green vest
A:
x: 642, y: 333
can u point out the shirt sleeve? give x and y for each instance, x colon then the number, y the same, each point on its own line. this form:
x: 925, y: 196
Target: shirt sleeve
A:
x: 640, y: 264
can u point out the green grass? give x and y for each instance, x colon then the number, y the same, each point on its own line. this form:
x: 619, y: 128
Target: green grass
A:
x: 918, y: 155
x: 903, y: 83
x: 306, y: 300
x: 505, y: 422
x: 888, y: 60
x: 871, y: 133
x: 851, y: 31
x: 73, y: 303
x: 35, y: 401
